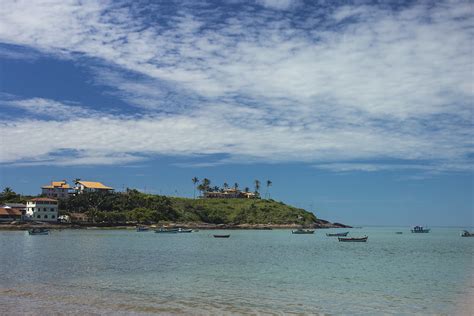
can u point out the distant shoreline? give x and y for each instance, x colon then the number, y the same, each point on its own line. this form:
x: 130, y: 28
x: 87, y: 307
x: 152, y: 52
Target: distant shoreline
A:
x: 321, y: 224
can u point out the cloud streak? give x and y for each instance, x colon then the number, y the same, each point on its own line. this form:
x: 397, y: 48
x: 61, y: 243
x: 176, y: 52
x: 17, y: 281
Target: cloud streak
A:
x: 336, y: 84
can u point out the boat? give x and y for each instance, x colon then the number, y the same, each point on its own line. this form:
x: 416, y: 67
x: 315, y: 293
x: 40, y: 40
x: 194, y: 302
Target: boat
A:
x: 338, y: 234
x: 398, y: 233
x: 142, y: 229
x: 353, y: 239
x: 303, y: 231
x: 163, y: 230
x: 466, y: 233
x: 221, y: 236
x: 184, y: 230
x: 38, y: 231
x: 420, y: 229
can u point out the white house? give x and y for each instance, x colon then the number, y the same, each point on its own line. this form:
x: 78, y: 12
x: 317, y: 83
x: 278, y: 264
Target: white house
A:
x: 57, y: 190
x: 42, y: 209
x: 89, y: 186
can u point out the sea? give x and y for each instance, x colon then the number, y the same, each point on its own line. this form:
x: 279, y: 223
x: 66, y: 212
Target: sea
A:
x: 258, y: 272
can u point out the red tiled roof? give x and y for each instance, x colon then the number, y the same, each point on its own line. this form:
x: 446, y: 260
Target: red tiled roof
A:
x: 10, y: 211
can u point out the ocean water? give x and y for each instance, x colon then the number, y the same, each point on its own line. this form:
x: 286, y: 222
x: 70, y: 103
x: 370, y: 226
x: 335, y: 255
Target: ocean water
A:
x: 121, y: 272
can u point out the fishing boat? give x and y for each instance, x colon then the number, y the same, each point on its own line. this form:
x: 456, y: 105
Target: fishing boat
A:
x: 338, y: 234
x: 184, y: 230
x: 38, y: 231
x: 303, y: 231
x: 353, y: 239
x: 221, y: 236
x: 163, y: 230
x: 466, y: 233
x: 142, y: 229
x: 420, y: 229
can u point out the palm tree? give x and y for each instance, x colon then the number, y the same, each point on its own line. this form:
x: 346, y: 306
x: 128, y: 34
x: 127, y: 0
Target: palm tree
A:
x: 269, y: 184
x: 226, y: 185
x: 236, y: 186
x: 257, y: 186
x: 195, y: 181
x: 206, y: 184
x: 247, y: 190
x: 7, y: 190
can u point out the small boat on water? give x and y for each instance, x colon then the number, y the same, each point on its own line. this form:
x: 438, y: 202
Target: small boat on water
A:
x: 38, y: 231
x: 142, y: 228
x: 184, y: 230
x: 420, y: 229
x: 353, y: 239
x: 466, y: 233
x: 221, y: 236
x: 163, y: 230
x: 303, y: 231
x: 398, y: 233
x: 338, y: 234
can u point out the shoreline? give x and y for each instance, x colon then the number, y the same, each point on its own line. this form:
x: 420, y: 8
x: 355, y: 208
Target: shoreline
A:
x: 321, y: 224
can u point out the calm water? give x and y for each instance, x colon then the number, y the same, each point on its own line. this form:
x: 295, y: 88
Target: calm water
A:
x: 267, y: 272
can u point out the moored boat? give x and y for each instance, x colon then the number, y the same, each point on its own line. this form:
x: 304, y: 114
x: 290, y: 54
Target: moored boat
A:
x: 338, y: 234
x: 420, y: 229
x: 398, y: 233
x: 466, y: 233
x: 353, y: 239
x: 38, y: 231
x: 163, y: 230
x: 303, y: 231
x: 221, y: 236
x: 184, y: 230
x: 142, y: 228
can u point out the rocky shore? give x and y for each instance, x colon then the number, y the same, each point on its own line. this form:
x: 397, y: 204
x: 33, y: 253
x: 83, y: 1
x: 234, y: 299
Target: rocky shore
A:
x: 319, y: 224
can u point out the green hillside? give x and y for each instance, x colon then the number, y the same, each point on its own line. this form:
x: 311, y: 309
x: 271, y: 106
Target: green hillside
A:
x: 240, y: 211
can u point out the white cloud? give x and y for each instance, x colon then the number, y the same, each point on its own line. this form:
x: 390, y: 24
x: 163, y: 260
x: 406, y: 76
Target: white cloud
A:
x: 361, y: 83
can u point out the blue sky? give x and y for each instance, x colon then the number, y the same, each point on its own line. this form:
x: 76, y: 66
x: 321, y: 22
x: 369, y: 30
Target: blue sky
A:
x: 359, y: 111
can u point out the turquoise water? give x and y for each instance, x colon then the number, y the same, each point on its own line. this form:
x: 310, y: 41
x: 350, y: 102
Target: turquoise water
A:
x: 267, y: 272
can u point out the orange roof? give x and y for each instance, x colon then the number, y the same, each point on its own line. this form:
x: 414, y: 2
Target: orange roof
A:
x: 57, y: 184
x: 94, y: 185
x: 10, y: 211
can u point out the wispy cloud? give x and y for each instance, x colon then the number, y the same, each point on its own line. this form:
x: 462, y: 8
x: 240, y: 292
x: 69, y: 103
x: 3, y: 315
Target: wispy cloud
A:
x: 313, y: 84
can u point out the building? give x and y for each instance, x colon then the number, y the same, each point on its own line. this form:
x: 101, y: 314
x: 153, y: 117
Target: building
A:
x: 89, y: 186
x: 12, y: 212
x: 229, y: 194
x: 9, y: 214
x: 56, y: 190
x: 42, y: 209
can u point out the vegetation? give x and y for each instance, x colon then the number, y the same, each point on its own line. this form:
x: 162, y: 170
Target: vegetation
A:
x: 132, y: 205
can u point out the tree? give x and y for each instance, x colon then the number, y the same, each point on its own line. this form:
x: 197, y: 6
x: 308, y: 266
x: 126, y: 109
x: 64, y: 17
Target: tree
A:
x: 226, y: 185
x: 247, y: 189
x: 195, y: 181
x: 257, y: 186
x: 236, y: 185
x: 267, y: 193
x: 205, y: 185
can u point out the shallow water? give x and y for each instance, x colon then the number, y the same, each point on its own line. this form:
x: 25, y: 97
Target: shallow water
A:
x: 252, y: 272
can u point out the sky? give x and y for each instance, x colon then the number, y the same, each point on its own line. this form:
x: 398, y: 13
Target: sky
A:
x: 360, y: 111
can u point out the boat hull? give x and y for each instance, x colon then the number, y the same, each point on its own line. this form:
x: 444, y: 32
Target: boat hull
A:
x: 363, y: 239
x: 38, y: 233
x: 338, y: 234
x: 221, y: 236
x: 302, y: 232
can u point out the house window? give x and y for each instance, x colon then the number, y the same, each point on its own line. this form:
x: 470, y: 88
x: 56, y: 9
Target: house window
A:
x: 45, y: 216
x: 44, y: 209
x: 52, y: 216
x: 38, y: 216
x: 52, y: 209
